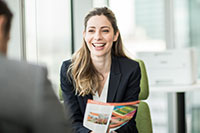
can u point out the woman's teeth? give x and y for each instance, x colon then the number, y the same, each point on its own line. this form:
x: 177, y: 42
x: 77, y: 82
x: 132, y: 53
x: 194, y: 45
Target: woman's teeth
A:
x: 99, y: 45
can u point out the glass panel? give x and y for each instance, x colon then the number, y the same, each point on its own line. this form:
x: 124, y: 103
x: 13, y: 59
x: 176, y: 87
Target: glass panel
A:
x: 141, y: 24
x: 99, y: 3
x: 192, y: 111
x: 187, y: 32
x: 15, y: 38
x: 192, y: 98
x: 142, y: 27
x: 48, y: 34
x: 181, y: 23
x: 194, y: 27
x: 158, y: 105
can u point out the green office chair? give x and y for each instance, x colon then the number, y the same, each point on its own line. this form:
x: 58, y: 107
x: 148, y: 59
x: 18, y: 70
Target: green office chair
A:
x: 143, y: 117
x: 60, y: 94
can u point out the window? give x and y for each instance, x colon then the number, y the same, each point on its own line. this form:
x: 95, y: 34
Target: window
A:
x: 142, y: 27
x: 48, y: 35
x: 141, y: 24
x: 99, y: 3
x: 14, y: 45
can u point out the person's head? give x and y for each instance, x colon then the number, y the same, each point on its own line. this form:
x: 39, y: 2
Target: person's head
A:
x: 5, y: 24
x: 100, y: 28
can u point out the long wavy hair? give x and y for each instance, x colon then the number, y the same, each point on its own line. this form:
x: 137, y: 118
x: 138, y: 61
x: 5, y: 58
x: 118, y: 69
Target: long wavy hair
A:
x: 85, y: 77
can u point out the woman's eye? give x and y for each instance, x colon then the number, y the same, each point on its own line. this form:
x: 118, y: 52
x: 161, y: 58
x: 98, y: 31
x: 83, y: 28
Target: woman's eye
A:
x: 90, y: 30
x: 105, y: 30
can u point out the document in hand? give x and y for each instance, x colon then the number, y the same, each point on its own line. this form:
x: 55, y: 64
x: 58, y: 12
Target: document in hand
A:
x: 101, y: 117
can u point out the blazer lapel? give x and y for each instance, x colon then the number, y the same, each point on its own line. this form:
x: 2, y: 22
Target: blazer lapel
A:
x: 115, y: 76
x: 87, y: 97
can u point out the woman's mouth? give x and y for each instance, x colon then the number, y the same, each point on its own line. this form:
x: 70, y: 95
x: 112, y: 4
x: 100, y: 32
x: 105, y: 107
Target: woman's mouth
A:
x: 98, y: 44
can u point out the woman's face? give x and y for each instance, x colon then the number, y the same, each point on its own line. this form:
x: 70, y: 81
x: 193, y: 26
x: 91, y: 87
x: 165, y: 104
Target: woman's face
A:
x: 99, y: 36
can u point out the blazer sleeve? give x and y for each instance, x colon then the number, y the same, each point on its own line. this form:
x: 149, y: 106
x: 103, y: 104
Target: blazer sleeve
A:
x: 71, y: 101
x: 131, y: 94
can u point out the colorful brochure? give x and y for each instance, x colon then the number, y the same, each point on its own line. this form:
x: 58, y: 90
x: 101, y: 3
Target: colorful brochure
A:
x: 103, y: 117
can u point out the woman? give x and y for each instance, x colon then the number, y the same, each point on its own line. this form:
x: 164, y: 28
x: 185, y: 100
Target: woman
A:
x: 99, y: 70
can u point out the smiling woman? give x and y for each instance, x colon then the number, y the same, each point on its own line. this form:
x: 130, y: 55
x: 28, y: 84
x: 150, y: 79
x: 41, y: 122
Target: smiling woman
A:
x: 99, y: 70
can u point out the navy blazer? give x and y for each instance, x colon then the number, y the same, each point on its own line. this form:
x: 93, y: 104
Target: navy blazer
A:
x: 124, y: 86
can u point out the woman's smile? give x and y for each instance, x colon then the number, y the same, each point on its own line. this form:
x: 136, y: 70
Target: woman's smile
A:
x: 98, y: 46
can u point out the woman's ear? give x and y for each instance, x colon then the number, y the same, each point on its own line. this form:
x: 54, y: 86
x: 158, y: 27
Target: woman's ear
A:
x: 83, y: 34
x: 116, y: 36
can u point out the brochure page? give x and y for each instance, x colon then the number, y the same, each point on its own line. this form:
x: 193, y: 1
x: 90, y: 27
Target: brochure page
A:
x: 104, y: 117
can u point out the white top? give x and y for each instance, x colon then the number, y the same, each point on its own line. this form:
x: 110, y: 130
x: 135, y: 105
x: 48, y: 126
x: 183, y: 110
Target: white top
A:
x: 104, y: 93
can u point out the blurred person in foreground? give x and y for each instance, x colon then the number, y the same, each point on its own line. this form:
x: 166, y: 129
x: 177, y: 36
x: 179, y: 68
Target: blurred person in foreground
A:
x: 100, y: 70
x: 28, y: 103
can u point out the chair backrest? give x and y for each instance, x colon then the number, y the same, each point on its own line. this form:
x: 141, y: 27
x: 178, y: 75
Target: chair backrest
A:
x: 144, y: 84
x: 60, y: 94
x: 143, y: 118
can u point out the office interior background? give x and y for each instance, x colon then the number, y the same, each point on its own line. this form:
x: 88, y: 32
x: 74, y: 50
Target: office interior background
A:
x: 47, y: 32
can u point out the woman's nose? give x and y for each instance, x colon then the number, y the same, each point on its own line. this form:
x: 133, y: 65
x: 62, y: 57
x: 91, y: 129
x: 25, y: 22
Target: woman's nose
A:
x: 98, y: 35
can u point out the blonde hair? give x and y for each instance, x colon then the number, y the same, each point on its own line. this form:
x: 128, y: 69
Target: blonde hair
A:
x: 86, y: 78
